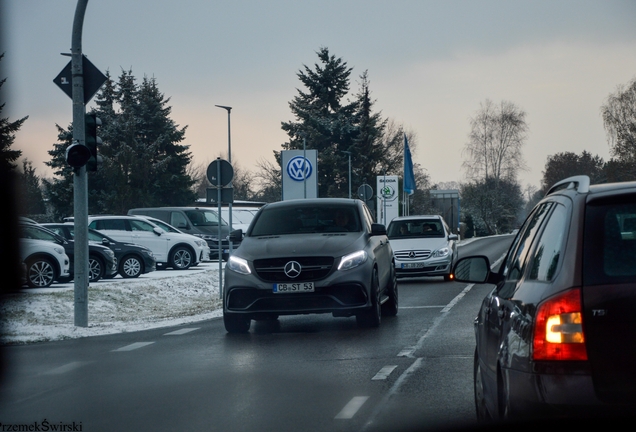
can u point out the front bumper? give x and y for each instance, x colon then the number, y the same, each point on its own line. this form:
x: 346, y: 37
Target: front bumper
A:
x: 341, y: 293
x: 429, y: 267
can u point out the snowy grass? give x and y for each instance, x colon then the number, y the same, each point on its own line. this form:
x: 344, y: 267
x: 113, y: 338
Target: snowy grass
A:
x: 113, y: 307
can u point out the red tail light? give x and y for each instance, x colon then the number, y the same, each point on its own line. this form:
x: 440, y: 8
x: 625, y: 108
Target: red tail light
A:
x: 558, y: 330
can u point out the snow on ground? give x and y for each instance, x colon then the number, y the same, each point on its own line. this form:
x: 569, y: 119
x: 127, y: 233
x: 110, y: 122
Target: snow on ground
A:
x: 158, y: 299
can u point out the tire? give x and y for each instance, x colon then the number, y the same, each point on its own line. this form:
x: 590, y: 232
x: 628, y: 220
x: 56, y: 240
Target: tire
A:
x: 372, y: 317
x: 40, y: 273
x: 390, y: 307
x: 181, y: 258
x: 235, y: 323
x: 95, y: 268
x: 130, y: 267
x: 480, y: 399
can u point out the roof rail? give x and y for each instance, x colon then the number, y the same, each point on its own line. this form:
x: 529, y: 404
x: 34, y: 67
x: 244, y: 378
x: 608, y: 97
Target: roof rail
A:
x: 581, y: 183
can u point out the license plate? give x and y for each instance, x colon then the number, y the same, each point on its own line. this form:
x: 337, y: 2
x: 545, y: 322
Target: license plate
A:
x: 412, y: 265
x: 300, y: 287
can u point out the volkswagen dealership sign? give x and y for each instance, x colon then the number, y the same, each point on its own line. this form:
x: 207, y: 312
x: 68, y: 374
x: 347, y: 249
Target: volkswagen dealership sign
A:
x: 299, y: 174
x: 299, y: 168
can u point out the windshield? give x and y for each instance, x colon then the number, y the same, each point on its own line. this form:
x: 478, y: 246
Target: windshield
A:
x: 204, y: 218
x: 306, y: 219
x: 420, y: 228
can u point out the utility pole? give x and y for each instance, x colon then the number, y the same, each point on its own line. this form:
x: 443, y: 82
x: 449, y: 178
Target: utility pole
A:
x: 80, y: 181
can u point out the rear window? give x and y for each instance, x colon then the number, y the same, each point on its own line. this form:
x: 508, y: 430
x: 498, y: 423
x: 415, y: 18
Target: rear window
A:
x: 610, y: 241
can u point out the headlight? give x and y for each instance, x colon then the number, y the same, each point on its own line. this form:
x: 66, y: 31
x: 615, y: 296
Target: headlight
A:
x: 238, y: 265
x: 352, y: 260
x: 207, y: 237
x: 200, y: 243
x: 110, y: 253
x: 59, y: 250
x: 441, y: 253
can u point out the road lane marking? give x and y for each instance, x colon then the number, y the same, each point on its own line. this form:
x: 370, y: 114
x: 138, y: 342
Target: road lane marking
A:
x: 352, y: 407
x: 182, y: 331
x: 384, y: 372
x: 66, y: 368
x: 417, y: 364
x: 457, y: 298
x: 134, y: 346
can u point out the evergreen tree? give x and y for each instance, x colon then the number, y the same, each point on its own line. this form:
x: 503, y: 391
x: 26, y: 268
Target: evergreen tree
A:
x: 325, y: 121
x: 59, y: 190
x: 8, y: 129
x: 368, y: 152
x: 144, y: 162
x: 32, y: 202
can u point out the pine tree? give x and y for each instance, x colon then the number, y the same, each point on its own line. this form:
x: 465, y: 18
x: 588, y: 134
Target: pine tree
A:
x: 59, y: 190
x: 144, y: 162
x: 31, y: 193
x: 8, y: 129
x: 324, y: 120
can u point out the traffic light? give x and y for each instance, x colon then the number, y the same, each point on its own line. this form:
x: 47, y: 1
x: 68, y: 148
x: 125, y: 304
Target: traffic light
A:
x: 77, y: 155
x: 91, y: 123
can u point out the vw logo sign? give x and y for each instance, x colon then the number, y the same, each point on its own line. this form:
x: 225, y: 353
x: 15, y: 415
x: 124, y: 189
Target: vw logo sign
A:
x: 295, y: 168
x: 292, y: 269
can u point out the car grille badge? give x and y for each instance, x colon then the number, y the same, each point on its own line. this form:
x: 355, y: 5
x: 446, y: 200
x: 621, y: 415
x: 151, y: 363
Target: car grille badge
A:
x: 292, y: 269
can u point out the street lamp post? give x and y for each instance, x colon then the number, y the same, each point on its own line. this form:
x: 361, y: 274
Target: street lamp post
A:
x: 229, y: 159
x: 349, y: 153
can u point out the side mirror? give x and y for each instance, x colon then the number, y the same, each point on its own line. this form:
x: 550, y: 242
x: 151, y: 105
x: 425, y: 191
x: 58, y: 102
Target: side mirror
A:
x: 453, y: 237
x: 475, y: 269
x: 105, y: 242
x: 157, y: 231
x: 378, y: 229
x: 236, y: 236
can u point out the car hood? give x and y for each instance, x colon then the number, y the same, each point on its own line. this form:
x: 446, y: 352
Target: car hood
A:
x: 418, y: 243
x: 335, y: 244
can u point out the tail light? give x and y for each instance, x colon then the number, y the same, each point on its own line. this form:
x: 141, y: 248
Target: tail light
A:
x: 558, y: 331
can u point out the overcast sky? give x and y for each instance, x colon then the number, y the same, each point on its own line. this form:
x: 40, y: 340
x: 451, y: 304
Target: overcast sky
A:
x: 430, y: 64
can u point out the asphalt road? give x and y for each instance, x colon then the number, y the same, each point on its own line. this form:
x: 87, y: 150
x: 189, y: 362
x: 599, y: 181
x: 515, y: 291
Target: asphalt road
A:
x: 310, y: 373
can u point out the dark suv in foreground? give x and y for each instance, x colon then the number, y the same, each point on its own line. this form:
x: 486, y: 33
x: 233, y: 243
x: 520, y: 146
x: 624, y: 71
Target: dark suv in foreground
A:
x: 310, y: 256
x: 556, y: 334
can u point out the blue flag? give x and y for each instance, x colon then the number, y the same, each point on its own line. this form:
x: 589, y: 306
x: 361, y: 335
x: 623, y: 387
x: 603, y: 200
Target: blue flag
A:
x: 409, y: 178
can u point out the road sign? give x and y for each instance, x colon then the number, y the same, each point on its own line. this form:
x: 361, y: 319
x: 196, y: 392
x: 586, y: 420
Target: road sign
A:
x: 227, y: 195
x: 93, y: 79
x: 365, y: 192
x: 226, y: 170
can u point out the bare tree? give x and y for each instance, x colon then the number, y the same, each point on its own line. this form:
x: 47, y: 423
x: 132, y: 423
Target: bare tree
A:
x: 619, y: 119
x: 496, y: 138
x: 269, y: 181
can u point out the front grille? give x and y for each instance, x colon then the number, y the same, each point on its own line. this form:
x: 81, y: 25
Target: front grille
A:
x: 404, y: 255
x: 312, y: 269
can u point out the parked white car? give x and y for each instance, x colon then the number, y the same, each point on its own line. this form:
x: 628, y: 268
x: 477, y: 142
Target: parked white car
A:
x: 203, y: 249
x: 176, y: 250
x: 45, y: 262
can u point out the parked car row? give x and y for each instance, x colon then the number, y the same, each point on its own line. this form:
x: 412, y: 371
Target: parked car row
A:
x: 125, y: 245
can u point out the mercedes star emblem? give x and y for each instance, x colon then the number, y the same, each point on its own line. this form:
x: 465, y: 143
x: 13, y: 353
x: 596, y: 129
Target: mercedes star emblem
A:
x: 292, y: 269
